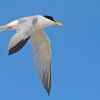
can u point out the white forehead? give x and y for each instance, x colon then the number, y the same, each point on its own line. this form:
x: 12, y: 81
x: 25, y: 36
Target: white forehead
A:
x: 42, y: 19
x: 43, y: 22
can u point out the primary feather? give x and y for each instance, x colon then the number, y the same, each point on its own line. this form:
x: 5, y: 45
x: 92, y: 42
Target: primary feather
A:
x: 42, y: 56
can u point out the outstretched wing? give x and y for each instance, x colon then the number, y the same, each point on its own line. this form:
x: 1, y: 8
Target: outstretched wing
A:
x: 42, y: 56
x: 24, y: 29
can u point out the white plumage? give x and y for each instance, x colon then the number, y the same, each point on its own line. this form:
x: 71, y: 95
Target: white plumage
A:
x: 31, y: 28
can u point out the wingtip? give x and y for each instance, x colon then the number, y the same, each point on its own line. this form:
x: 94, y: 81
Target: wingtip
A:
x: 9, y: 53
x: 48, y: 92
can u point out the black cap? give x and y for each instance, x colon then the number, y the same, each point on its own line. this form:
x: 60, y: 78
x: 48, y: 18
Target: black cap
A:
x: 50, y: 17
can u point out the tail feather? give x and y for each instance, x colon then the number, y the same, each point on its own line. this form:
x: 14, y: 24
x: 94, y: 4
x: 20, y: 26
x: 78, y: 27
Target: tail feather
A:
x: 2, y: 28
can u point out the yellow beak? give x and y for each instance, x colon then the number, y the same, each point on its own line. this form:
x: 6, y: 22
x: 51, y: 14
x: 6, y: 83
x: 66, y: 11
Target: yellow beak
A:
x: 58, y: 23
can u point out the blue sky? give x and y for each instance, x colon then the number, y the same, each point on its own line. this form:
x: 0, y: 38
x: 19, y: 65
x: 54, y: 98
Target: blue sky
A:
x: 75, y: 51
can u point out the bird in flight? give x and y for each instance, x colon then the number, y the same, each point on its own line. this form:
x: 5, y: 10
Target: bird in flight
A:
x: 31, y: 28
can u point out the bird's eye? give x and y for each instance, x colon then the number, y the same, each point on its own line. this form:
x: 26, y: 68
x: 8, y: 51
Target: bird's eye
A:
x: 49, y: 17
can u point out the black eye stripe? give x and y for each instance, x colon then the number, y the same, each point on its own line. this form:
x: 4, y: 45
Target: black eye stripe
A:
x: 49, y: 17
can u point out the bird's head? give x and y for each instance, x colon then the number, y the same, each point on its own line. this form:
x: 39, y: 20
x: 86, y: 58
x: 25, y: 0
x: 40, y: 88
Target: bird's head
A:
x: 45, y: 21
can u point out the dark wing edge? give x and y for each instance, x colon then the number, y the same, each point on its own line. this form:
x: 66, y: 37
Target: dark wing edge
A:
x: 18, y: 46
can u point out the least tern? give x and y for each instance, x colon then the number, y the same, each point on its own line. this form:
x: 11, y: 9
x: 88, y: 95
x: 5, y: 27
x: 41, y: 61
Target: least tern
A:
x: 31, y: 28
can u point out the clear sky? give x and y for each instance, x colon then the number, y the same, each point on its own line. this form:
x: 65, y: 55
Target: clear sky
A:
x: 75, y: 51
